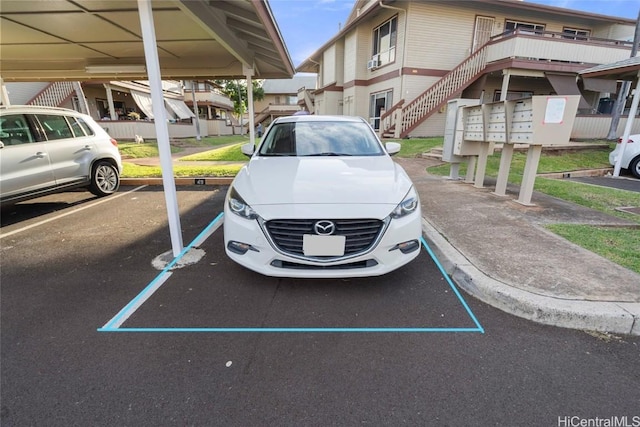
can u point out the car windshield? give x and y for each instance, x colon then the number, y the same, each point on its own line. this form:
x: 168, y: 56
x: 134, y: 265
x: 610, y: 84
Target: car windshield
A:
x: 319, y: 138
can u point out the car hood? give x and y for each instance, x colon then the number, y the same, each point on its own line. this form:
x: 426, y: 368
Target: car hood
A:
x: 322, y: 180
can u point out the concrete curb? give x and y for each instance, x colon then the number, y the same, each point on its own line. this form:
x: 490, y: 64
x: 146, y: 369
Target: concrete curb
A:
x: 620, y: 318
x: 178, y: 181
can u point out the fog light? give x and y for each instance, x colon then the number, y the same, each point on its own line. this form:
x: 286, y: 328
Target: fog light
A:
x: 240, y: 248
x: 406, y: 247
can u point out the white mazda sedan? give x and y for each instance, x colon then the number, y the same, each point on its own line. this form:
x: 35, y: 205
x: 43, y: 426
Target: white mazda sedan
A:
x: 321, y: 197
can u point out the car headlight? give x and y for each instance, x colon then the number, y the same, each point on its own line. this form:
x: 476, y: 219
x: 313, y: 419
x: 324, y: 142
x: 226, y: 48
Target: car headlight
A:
x: 238, y: 206
x: 407, y: 206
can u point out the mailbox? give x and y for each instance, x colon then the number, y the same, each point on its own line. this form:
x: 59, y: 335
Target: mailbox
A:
x: 452, y: 148
x: 533, y: 122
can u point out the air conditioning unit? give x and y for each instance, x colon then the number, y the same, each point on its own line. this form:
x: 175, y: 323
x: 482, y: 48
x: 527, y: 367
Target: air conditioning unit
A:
x: 373, y: 64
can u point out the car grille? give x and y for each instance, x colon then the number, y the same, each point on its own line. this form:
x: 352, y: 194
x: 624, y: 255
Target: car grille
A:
x: 361, y: 234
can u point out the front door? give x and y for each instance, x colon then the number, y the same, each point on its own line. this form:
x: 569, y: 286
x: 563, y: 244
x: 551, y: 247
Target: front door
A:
x: 482, y: 32
x: 379, y: 101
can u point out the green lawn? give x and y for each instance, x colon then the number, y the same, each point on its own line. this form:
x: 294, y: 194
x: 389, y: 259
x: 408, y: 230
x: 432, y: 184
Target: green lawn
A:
x: 620, y: 245
x: 131, y: 170
x: 131, y: 150
x: 230, y: 153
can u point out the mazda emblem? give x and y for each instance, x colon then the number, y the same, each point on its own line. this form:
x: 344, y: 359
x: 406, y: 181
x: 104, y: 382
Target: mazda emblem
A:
x: 324, y: 227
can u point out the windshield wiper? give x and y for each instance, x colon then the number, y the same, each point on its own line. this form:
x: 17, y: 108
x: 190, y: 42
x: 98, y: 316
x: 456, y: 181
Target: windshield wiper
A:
x: 329, y: 153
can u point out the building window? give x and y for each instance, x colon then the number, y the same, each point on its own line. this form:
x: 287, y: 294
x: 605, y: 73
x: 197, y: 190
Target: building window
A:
x: 523, y: 27
x: 384, y: 42
x: 379, y: 101
x: 575, y: 34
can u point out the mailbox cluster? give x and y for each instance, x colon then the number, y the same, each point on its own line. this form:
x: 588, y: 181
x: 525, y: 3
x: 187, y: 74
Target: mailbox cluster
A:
x: 472, y: 130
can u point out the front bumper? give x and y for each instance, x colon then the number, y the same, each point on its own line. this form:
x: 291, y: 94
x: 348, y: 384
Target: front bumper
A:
x: 262, y: 256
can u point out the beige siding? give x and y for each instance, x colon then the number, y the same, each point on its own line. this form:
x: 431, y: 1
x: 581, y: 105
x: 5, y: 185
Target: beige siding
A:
x: 415, y: 85
x: 589, y: 127
x: 350, y: 56
x: 332, y: 103
x: 362, y: 104
x: 329, y: 66
x: 364, y: 49
x: 440, y: 35
x: 433, y: 126
x: 616, y: 32
x: 339, y: 62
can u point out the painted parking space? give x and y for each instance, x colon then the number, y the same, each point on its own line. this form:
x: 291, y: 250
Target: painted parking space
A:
x: 419, y: 297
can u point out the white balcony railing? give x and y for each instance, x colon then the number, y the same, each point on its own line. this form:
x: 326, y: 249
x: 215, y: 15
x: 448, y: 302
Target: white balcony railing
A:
x: 543, y: 46
x: 550, y: 46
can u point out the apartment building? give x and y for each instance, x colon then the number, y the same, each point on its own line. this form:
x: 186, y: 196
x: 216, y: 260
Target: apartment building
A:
x: 397, y: 63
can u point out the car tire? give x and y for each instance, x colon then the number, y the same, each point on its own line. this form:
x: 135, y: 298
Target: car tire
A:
x: 634, y: 167
x: 105, y: 179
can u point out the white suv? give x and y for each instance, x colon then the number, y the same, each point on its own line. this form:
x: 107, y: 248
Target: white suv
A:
x: 46, y: 150
x: 631, y: 158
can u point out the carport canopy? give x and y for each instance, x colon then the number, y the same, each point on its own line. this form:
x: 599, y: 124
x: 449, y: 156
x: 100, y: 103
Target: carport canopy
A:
x: 628, y: 69
x: 82, y: 40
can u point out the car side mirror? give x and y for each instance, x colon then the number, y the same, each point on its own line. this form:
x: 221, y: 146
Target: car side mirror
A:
x: 392, y: 148
x: 248, y: 149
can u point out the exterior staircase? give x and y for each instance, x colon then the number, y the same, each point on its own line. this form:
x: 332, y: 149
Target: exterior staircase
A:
x: 54, y: 95
x: 402, y: 119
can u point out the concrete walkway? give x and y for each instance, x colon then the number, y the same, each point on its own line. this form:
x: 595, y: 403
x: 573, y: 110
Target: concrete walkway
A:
x: 500, y: 252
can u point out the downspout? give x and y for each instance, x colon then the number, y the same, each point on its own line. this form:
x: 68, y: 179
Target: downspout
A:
x: 404, y: 44
x: 398, y: 129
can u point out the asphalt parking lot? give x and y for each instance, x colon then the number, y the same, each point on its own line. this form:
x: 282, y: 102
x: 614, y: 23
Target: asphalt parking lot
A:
x: 201, y: 349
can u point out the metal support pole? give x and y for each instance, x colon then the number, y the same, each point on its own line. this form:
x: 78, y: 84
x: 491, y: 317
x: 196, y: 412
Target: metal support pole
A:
x: 82, y: 100
x: 471, y: 169
x: 454, y: 171
x: 627, y: 127
x: 112, y: 108
x: 195, y: 110
x: 506, y: 155
x: 160, y: 117
x: 529, y: 176
x: 4, y: 95
x: 481, y: 168
x: 248, y: 72
x: 503, y: 173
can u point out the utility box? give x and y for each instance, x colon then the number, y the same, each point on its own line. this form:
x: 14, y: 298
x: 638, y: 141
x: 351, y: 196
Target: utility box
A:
x: 454, y: 129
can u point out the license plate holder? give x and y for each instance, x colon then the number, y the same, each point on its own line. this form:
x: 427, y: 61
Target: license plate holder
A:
x: 314, y: 245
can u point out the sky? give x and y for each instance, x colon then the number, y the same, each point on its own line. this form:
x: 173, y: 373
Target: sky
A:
x: 308, y: 24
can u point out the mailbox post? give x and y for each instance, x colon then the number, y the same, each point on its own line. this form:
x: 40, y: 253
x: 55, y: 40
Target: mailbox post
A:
x: 452, y: 151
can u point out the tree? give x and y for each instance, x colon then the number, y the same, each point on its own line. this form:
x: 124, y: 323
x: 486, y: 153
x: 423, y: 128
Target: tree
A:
x: 236, y: 90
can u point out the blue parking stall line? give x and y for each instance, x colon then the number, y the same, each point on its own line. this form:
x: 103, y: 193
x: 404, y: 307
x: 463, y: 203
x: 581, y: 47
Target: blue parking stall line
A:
x: 160, y: 279
x: 114, y: 324
x: 208, y: 231
x: 453, y: 287
x: 308, y: 330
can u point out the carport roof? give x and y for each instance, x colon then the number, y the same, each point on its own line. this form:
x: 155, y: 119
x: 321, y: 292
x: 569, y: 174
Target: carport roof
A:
x: 101, y: 40
x: 622, y: 70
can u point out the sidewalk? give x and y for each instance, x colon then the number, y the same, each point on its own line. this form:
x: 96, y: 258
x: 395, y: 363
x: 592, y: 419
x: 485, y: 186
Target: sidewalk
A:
x: 499, y: 251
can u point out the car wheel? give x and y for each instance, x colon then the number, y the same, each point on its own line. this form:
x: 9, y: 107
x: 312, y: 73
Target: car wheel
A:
x: 105, y: 179
x: 634, y: 167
